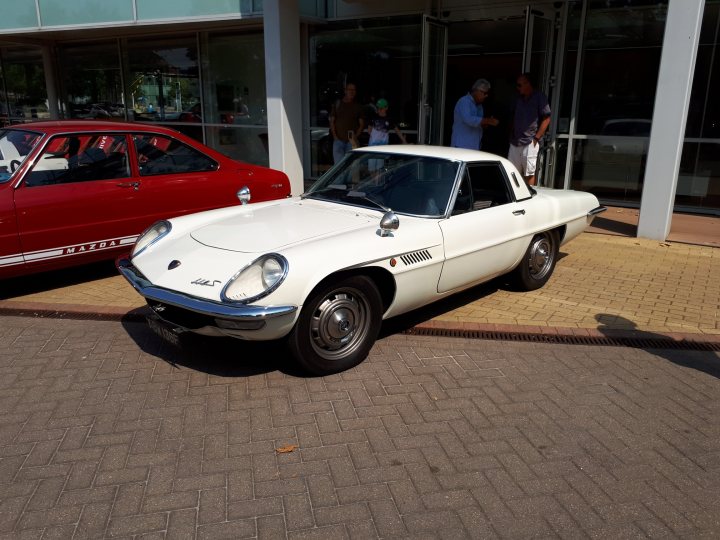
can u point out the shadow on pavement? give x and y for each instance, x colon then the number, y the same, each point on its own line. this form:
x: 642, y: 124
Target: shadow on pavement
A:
x: 228, y: 357
x: 616, y: 326
x: 219, y: 356
x: 405, y: 322
x: 56, y: 279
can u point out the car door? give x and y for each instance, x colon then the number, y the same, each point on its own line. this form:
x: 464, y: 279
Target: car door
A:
x: 77, y: 200
x: 177, y: 179
x: 485, y: 235
x: 11, y: 259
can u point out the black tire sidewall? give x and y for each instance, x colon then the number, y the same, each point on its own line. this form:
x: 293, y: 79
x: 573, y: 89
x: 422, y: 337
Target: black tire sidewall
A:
x: 300, y: 341
x: 523, y: 279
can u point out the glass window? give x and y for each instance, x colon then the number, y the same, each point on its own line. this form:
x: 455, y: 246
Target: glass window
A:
x: 382, y: 59
x: 19, y: 15
x: 24, y: 90
x: 699, y: 179
x: 616, y: 95
x: 158, y: 154
x: 15, y: 145
x: 163, y: 79
x: 80, y: 158
x: 64, y: 13
x: 621, y: 61
x: 92, y: 83
x: 235, y: 96
x: 493, y: 50
x: 165, y: 9
x: 407, y: 184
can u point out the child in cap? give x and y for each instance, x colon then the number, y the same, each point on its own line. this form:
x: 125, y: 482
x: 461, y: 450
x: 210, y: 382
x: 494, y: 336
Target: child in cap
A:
x: 380, y: 125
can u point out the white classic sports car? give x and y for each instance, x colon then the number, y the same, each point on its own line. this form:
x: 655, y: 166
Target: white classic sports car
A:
x: 385, y: 231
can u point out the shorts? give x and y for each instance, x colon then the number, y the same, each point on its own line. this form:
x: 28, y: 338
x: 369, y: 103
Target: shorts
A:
x: 524, y: 158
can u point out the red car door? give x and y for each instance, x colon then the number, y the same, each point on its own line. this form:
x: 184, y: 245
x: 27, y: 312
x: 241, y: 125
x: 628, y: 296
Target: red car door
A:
x: 177, y: 178
x: 11, y: 260
x: 77, y: 201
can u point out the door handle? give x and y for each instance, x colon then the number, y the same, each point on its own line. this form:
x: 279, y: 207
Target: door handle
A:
x: 519, y: 213
x: 134, y: 185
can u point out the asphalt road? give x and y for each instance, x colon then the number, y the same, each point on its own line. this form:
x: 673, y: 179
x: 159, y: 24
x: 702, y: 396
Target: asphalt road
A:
x: 108, y: 432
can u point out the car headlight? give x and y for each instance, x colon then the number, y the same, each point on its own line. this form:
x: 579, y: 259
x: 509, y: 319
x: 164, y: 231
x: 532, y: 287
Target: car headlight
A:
x: 258, y: 279
x: 151, y: 235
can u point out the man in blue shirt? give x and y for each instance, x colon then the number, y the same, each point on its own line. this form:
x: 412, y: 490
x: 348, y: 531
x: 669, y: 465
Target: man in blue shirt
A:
x: 531, y: 119
x: 469, y: 119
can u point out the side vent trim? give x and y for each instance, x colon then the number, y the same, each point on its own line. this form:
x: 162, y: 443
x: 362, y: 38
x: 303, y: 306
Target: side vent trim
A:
x: 416, y: 257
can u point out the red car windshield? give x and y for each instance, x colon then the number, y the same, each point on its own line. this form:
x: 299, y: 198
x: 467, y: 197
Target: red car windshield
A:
x: 15, y: 146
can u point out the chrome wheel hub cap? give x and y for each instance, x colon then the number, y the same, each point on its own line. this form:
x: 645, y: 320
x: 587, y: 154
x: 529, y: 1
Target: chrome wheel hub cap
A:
x: 339, y: 323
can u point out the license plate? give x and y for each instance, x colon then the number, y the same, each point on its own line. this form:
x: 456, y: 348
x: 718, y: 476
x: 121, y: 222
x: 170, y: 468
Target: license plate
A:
x: 164, y: 330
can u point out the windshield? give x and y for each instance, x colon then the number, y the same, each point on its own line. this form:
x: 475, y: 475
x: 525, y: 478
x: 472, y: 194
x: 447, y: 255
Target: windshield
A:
x: 407, y: 184
x: 15, y: 146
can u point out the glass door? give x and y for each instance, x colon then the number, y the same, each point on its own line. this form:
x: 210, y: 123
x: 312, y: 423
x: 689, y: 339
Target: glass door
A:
x: 432, y: 81
x: 538, y: 60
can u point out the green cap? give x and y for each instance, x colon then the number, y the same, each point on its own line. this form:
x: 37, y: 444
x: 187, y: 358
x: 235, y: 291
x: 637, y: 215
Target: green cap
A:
x: 381, y: 103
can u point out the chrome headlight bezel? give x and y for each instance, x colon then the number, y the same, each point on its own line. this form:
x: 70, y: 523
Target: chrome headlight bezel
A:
x: 266, y: 290
x: 159, y: 229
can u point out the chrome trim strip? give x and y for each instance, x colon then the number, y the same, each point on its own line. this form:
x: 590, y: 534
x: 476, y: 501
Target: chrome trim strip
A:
x: 198, y: 305
x: 596, y: 211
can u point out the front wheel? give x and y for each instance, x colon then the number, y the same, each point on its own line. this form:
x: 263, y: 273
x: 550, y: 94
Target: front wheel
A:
x: 337, y: 326
x: 538, y: 263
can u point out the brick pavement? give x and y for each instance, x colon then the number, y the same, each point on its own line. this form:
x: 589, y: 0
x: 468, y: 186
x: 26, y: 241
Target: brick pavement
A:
x: 105, y: 432
x: 601, y: 281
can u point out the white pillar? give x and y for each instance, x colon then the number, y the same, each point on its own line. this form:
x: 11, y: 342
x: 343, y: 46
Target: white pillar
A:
x: 677, y: 67
x: 282, y: 78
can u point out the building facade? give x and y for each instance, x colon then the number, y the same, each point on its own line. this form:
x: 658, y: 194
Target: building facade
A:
x: 629, y: 81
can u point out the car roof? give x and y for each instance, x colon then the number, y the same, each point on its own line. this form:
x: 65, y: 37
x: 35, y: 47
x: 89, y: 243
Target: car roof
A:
x: 442, y: 152
x: 62, y: 126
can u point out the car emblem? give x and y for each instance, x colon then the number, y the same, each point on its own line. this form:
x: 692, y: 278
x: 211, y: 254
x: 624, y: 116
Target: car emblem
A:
x: 174, y: 264
x: 205, y: 282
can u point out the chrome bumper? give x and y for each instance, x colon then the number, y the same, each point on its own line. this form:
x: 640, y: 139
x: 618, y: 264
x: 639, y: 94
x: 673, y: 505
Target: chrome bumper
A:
x: 595, y: 211
x: 239, y: 317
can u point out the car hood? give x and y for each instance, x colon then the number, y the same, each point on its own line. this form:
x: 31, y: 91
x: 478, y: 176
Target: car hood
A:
x: 276, y: 227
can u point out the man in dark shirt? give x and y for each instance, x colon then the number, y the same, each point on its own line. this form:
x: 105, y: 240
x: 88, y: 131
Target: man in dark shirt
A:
x: 530, y: 122
x: 346, y: 123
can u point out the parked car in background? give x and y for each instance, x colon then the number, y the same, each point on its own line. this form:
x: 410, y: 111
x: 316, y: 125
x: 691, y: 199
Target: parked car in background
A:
x: 615, y: 159
x: 73, y: 192
x: 388, y: 230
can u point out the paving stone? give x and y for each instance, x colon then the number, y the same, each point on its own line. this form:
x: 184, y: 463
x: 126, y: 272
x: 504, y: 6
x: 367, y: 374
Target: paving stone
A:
x: 417, y: 442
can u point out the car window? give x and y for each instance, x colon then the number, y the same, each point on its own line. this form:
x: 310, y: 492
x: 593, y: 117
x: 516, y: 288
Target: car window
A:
x: 483, y: 185
x: 15, y: 146
x: 407, y: 184
x: 158, y: 154
x: 80, y: 158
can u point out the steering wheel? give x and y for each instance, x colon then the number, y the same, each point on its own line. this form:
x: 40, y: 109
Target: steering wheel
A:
x: 14, y: 164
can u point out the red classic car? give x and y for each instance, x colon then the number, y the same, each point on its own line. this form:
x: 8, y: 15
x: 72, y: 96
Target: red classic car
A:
x: 74, y: 192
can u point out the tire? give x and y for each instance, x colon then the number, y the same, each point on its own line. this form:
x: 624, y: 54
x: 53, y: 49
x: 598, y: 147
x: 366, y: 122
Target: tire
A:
x: 338, y: 326
x: 538, y: 263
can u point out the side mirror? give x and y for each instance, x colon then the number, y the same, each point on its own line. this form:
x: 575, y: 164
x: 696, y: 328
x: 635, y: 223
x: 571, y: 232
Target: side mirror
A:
x: 389, y: 222
x: 243, y: 195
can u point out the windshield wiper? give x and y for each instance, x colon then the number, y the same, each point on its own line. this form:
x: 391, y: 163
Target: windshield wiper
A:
x: 331, y: 187
x: 362, y: 195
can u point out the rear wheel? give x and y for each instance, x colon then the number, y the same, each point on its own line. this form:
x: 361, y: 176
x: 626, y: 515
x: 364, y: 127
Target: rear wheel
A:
x: 337, y: 326
x: 538, y: 263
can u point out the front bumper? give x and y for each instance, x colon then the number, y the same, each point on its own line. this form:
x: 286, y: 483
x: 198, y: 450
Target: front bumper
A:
x: 202, y: 316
